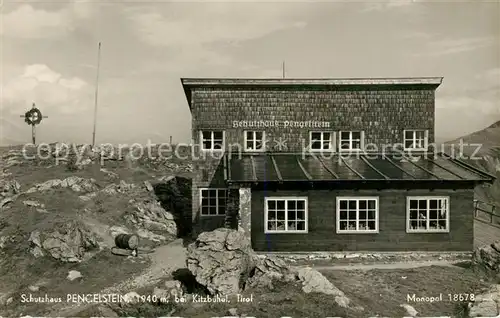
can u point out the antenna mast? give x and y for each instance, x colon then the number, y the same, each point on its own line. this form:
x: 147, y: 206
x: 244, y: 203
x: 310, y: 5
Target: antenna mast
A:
x: 283, y: 66
x: 96, y: 92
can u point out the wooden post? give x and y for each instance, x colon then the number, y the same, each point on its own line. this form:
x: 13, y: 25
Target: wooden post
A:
x: 475, y: 208
x: 492, y: 213
x: 33, y: 133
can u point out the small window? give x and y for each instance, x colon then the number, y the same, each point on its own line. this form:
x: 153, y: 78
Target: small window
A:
x: 212, y: 140
x: 351, y: 140
x: 254, y: 141
x: 416, y: 139
x: 285, y: 215
x: 213, y: 202
x: 321, y: 141
x: 357, y: 215
x: 427, y: 214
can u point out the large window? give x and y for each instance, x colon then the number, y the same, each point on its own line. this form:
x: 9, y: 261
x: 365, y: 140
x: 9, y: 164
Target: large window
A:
x: 428, y: 214
x: 415, y: 139
x: 254, y: 141
x: 321, y: 141
x: 213, y: 202
x: 357, y: 215
x: 285, y: 215
x: 351, y: 140
x: 212, y: 140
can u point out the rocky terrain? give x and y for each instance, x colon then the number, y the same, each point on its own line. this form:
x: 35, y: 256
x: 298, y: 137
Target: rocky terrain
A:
x: 62, y: 206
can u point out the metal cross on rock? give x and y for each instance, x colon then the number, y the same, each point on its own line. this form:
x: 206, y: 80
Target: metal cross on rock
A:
x: 33, y: 117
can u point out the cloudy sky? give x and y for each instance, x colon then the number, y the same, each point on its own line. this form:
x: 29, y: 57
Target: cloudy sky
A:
x: 49, y: 53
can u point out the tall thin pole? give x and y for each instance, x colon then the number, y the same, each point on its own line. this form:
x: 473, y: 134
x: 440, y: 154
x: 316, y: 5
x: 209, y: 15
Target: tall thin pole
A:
x: 283, y: 69
x: 96, y: 92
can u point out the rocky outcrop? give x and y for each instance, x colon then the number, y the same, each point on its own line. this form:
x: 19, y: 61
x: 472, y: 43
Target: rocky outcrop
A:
x: 486, y: 304
x: 488, y: 257
x: 74, y: 183
x: 149, y: 214
x: 224, y: 262
x: 12, y: 158
x: 221, y: 260
x: 121, y: 187
x: 174, y: 194
x: 69, y: 242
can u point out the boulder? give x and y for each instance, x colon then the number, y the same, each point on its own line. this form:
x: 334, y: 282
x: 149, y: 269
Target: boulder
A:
x: 221, y: 260
x: 9, y: 188
x: 172, y: 289
x: 72, y: 275
x: 314, y: 282
x: 269, y: 270
x: 488, y: 257
x: 486, y: 304
x: 69, y: 242
x: 224, y: 262
x: 410, y: 310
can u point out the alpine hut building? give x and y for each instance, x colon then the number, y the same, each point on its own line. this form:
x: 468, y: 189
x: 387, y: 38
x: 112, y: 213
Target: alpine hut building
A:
x: 328, y: 165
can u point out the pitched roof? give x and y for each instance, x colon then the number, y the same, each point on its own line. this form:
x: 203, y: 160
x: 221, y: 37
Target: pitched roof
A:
x: 366, y: 167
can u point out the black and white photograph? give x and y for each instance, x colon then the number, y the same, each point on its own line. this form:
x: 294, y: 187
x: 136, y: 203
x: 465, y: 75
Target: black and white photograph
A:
x: 263, y: 159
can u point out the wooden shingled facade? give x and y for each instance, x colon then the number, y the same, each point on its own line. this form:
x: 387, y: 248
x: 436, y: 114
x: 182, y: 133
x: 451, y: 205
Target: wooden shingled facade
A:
x: 381, y: 112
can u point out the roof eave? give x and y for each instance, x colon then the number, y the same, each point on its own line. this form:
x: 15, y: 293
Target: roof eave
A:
x: 186, y: 82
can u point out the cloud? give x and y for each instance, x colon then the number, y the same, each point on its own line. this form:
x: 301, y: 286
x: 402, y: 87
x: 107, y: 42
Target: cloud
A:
x: 466, y: 106
x: 453, y: 46
x: 27, y: 22
x: 456, y: 116
x: 387, y: 5
x: 47, y: 88
x: 214, y: 22
x: 491, y: 75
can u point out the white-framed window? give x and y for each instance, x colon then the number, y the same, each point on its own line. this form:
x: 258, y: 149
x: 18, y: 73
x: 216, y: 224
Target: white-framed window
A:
x: 321, y: 141
x: 351, y: 140
x: 255, y: 140
x: 213, y: 201
x: 357, y: 215
x: 285, y: 215
x: 212, y: 140
x: 415, y: 139
x: 427, y: 214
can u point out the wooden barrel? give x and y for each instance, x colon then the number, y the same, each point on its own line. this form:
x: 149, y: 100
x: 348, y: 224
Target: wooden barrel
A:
x: 127, y: 241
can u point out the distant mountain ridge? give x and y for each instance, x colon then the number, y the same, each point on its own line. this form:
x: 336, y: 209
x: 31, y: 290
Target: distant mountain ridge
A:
x: 482, y: 149
x: 488, y: 138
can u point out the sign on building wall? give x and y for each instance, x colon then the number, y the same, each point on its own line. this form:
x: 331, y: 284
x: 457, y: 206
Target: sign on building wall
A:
x: 280, y: 124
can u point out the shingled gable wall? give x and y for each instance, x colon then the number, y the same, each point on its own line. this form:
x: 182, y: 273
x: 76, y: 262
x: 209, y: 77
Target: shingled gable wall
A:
x: 383, y: 112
